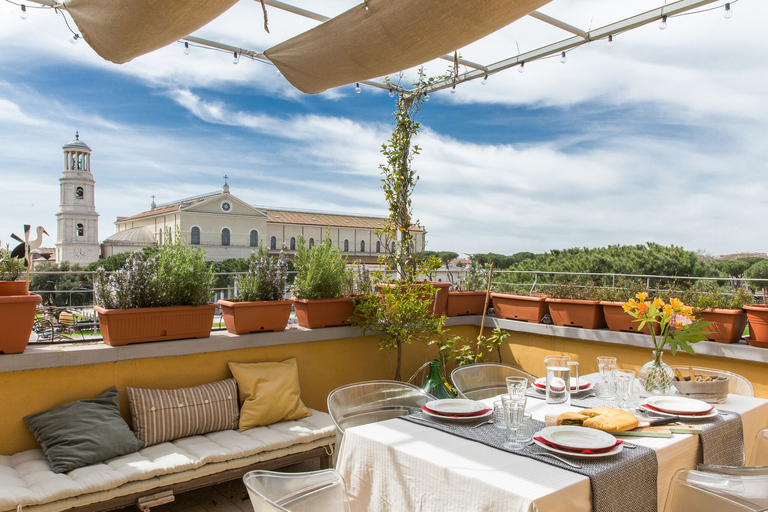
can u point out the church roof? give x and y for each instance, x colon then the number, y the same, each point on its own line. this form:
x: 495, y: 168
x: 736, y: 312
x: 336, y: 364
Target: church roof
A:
x: 134, y: 236
x: 169, y: 207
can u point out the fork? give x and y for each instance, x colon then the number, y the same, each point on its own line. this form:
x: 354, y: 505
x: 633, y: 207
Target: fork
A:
x: 486, y: 422
x: 547, y: 454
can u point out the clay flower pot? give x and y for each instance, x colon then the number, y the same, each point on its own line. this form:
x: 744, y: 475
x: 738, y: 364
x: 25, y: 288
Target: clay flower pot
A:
x: 618, y: 320
x: 124, y: 326
x: 577, y: 313
x: 520, y: 307
x: 13, y: 288
x: 728, y: 324
x: 439, y: 297
x: 319, y: 313
x: 757, y: 315
x: 18, y: 314
x: 246, y: 317
x: 465, y: 303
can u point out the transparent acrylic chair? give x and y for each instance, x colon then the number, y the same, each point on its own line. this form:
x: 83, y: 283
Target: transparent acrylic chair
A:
x: 757, y: 463
x: 713, y: 492
x: 297, y: 492
x: 737, y: 385
x: 759, y: 455
x: 485, y: 380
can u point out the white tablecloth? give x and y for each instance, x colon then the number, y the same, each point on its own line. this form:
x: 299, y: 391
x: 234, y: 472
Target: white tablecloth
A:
x: 397, y: 465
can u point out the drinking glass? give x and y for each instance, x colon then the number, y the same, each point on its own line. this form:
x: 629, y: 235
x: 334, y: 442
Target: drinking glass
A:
x: 605, y: 386
x: 517, y: 385
x: 573, y: 366
x: 524, y: 433
x: 558, y: 380
x: 517, y: 399
x: 624, y: 382
x: 514, y: 414
x: 498, y: 415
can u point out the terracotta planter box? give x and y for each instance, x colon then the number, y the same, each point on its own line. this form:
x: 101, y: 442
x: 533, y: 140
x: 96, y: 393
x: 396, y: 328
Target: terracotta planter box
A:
x: 728, y: 326
x: 245, y: 317
x: 618, y: 320
x: 520, y: 307
x: 18, y: 314
x: 465, y: 303
x: 124, y: 326
x: 319, y: 313
x: 577, y: 313
x: 8, y: 288
x: 439, y: 300
x: 757, y: 315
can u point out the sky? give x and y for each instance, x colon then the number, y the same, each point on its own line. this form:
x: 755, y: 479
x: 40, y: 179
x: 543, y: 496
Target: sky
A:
x: 661, y: 138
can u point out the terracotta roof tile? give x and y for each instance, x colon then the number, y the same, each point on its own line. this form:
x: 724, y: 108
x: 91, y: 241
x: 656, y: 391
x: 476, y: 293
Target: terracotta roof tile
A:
x: 168, y: 208
x: 339, y: 220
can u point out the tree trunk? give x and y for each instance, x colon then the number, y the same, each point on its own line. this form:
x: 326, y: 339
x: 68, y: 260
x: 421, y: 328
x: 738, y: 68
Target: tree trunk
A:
x: 399, y: 358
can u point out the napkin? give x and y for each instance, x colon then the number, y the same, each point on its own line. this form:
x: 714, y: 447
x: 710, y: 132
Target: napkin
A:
x: 648, y: 406
x: 572, y: 450
x: 455, y: 415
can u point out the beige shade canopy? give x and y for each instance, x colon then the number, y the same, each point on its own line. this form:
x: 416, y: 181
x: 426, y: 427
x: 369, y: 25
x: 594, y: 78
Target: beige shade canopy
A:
x: 389, y: 36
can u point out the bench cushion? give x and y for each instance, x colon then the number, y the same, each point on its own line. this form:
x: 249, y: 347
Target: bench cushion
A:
x: 26, y: 478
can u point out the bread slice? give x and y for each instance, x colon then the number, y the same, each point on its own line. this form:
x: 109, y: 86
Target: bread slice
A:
x: 606, y: 419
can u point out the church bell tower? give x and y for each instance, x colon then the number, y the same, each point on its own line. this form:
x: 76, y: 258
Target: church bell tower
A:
x: 77, y: 233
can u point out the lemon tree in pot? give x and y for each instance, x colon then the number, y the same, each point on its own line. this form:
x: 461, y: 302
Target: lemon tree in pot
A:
x: 259, y: 304
x: 17, y: 306
x: 162, y: 297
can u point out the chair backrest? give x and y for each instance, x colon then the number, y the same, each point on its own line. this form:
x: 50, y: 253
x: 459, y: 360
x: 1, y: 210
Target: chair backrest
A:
x: 759, y: 456
x: 485, y: 380
x: 712, y: 492
x: 297, y: 492
x: 370, y: 402
x: 737, y: 385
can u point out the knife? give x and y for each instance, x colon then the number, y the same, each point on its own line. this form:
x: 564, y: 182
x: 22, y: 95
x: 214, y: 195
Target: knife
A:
x: 658, y: 421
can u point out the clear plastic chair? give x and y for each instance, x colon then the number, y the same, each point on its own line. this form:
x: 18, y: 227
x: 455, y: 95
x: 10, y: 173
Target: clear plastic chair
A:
x: 712, y: 492
x: 759, y: 455
x: 737, y: 385
x: 485, y: 380
x: 757, y: 464
x: 297, y: 492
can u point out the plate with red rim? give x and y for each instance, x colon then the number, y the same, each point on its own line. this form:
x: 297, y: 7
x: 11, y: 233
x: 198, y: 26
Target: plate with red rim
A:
x: 541, y: 383
x: 615, y: 450
x: 573, y: 437
x: 679, y: 405
x: 459, y: 419
x: 455, y: 407
x: 710, y: 414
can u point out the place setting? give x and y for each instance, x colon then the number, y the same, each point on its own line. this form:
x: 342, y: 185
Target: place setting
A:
x: 688, y: 408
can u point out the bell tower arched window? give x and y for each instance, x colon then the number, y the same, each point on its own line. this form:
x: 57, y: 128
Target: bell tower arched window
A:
x: 194, y: 235
x: 79, y: 193
x: 254, y: 238
x: 80, y: 230
x: 225, y: 236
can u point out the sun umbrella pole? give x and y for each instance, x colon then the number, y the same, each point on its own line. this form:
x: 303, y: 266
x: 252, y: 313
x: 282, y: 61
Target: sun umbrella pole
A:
x: 487, y: 298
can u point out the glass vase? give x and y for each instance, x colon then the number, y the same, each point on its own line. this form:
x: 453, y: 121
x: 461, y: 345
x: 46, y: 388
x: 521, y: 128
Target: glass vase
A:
x: 435, y: 385
x: 656, y: 376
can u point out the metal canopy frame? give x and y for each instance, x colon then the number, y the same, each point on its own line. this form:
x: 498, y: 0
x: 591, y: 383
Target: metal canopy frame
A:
x: 578, y: 37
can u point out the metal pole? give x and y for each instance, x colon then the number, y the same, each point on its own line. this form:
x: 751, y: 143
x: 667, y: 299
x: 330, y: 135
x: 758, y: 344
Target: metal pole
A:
x: 485, y: 307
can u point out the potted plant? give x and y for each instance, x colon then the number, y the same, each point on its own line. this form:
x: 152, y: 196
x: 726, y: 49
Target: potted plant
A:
x: 323, y: 287
x: 520, y: 303
x: 259, y: 304
x: 612, y: 302
x: 17, y: 306
x: 724, y: 310
x: 757, y: 314
x: 162, y: 297
x: 677, y: 328
x: 576, y: 306
x: 469, y: 298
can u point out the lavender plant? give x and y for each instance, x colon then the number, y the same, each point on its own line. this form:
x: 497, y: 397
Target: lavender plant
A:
x: 265, y: 279
x: 133, y: 286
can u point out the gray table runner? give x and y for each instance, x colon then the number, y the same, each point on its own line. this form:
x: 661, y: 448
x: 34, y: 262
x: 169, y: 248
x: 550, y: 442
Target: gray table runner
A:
x: 628, y: 477
x: 721, y: 438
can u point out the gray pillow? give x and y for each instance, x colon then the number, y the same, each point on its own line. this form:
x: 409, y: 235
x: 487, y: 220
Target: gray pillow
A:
x: 84, y: 432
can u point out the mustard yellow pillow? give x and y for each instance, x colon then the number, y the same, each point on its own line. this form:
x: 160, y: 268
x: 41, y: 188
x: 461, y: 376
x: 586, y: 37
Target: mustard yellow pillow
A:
x: 269, y: 392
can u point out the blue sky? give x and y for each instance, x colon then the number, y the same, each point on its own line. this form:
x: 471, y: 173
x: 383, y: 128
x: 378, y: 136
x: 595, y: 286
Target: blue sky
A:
x: 660, y: 138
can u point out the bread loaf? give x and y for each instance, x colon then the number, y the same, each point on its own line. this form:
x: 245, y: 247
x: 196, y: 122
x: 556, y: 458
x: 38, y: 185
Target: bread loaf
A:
x: 606, y: 419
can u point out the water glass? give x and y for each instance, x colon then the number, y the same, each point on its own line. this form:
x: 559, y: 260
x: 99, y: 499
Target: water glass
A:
x: 524, y: 434
x: 517, y: 385
x: 558, y: 380
x: 605, y: 387
x: 498, y: 415
x: 514, y: 413
x: 624, y: 383
x: 573, y: 366
x: 519, y: 428
x: 517, y: 399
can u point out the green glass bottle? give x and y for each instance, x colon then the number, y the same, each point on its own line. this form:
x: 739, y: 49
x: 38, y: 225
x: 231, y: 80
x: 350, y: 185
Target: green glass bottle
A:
x: 435, y: 385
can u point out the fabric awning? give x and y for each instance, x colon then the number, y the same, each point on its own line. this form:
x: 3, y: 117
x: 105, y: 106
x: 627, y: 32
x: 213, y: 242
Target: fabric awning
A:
x: 390, y: 36
x: 119, y: 30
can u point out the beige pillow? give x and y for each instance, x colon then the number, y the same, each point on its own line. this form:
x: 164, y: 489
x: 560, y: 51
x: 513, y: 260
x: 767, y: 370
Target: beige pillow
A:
x: 269, y: 392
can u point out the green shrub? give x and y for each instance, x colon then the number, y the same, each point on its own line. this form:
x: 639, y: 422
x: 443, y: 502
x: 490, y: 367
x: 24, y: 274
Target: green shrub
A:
x: 476, y: 279
x: 265, y: 279
x: 321, y: 271
x: 11, y: 269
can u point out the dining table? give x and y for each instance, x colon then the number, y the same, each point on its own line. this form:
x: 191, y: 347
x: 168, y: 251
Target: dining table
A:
x: 399, y: 465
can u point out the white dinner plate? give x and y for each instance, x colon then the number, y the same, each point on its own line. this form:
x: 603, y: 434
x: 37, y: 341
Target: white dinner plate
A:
x: 459, y: 419
x: 578, y: 438
x: 678, y: 404
x: 455, y: 406
x: 541, y: 384
x: 710, y: 414
x: 614, y: 451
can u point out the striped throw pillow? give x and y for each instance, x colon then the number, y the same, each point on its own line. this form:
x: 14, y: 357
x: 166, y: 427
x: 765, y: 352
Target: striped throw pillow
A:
x: 166, y: 414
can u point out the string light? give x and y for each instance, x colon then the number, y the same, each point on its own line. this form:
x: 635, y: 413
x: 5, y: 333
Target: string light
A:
x: 236, y: 60
x: 23, y: 14
x: 663, y: 24
x: 391, y: 93
x: 74, y: 38
x: 728, y: 14
x: 609, y: 44
x: 563, y: 58
x: 521, y: 68
x: 279, y: 73
x: 357, y: 88
x: 426, y: 97
x: 484, y: 80
x: 186, y: 48
x: 453, y: 89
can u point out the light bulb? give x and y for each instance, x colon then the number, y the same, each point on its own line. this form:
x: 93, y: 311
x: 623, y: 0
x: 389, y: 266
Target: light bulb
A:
x: 484, y: 80
x: 728, y: 14
x: 391, y: 93
x: 357, y: 88
x: 521, y: 68
x: 453, y: 89
x: 279, y: 73
x: 236, y: 60
x: 186, y: 48
x: 23, y: 14
x: 663, y: 24
x: 563, y: 58
x: 74, y: 38
x: 610, y: 41
x: 426, y: 97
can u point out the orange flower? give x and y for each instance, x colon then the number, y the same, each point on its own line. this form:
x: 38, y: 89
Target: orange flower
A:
x: 642, y: 308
